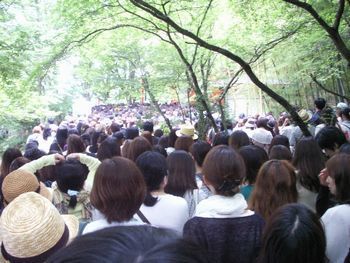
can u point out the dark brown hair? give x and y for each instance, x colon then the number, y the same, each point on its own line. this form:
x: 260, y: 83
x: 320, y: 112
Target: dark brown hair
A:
x: 224, y: 169
x: 279, y: 140
x: 182, y: 172
x: 75, y: 144
x: 280, y: 152
x: 148, y: 136
x: 118, y: 189
x: 8, y: 156
x: 254, y: 157
x: 183, y: 143
x: 137, y: 146
x: 108, y: 149
x: 275, y: 186
x: 309, y: 161
x: 238, y: 139
x: 199, y: 150
x: 338, y: 168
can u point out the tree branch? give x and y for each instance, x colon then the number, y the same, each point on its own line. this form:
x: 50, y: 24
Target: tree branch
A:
x: 194, y: 81
x: 339, y: 14
x: 327, y: 90
x: 246, y: 67
x: 333, y: 31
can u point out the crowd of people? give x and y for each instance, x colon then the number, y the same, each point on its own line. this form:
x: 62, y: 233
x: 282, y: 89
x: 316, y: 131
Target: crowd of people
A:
x: 103, y: 189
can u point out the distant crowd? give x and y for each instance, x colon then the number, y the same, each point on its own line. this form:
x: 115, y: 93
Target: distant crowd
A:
x: 117, y: 187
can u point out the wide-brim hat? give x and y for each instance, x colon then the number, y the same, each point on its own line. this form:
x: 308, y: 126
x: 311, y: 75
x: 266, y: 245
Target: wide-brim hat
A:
x: 31, y: 229
x: 304, y: 115
x: 186, y: 130
x: 21, y: 181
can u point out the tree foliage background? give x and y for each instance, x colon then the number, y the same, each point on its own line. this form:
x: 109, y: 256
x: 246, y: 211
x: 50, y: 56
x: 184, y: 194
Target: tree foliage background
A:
x: 108, y: 48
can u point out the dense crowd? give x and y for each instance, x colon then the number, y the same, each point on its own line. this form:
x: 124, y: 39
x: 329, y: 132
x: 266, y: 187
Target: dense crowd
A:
x: 103, y: 189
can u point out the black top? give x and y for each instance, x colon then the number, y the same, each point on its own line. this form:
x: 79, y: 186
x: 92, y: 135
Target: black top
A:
x: 227, y: 239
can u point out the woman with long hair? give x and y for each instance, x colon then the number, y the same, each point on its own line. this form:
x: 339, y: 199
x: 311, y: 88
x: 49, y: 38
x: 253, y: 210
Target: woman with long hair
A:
x: 275, y: 186
x: 159, y: 208
x: 75, y: 144
x: 308, y: 161
x: 222, y: 223
x: 254, y: 157
x: 336, y: 219
x: 181, y: 178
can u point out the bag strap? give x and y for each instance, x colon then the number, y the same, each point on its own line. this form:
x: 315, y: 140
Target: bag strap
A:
x: 142, y: 217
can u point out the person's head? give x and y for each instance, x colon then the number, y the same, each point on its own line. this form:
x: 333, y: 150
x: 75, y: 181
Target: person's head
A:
x: 32, y: 152
x: 279, y: 140
x: 32, y: 229
x: 262, y: 122
x: 115, y: 127
x: 108, y: 149
x: 340, y: 107
x: 345, y: 114
x: 293, y: 234
x: 148, y: 136
x: 220, y: 138
x: 329, y: 139
x: 172, y: 138
x: 223, y: 170
x: 238, y: 139
x: 61, y: 136
x: 338, y: 168
x: 21, y: 181
x: 75, y: 144
x: 253, y: 157
x: 46, y: 132
x: 118, y: 189
x: 148, y: 126
x: 309, y: 161
x: 71, y: 175
x: 280, y: 152
x: 138, y: 146
x: 131, y: 133
x: 94, y: 138
x: 164, y: 141
x: 199, y: 150
x: 130, y: 244
x: 183, y: 143
x: 7, y: 158
x: 158, y: 133
x: 275, y: 186
x: 261, y: 137
x: 154, y: 168
x: 182, y: 171
x: 320, y: 103
x: 17, y: 163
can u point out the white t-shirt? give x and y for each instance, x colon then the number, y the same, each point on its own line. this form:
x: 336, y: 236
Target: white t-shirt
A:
x: 102, y: 223
x: 169, y: 212
x: 336, y: 223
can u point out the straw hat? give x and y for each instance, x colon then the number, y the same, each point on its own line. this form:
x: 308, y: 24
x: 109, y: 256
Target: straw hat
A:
x: 21, y: 181
x: 186, y: 130
x: 304, y: 115
x: 32, y: 229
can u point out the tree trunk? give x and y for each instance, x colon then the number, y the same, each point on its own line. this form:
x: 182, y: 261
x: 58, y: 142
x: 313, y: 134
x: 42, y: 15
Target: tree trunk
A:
x: 154, y: 101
